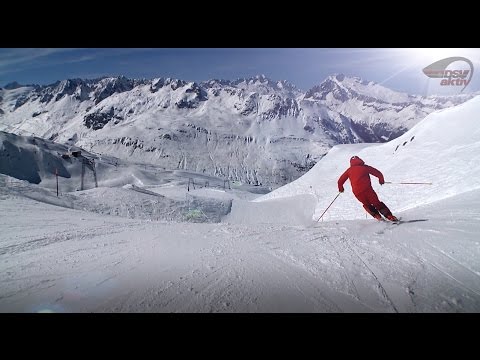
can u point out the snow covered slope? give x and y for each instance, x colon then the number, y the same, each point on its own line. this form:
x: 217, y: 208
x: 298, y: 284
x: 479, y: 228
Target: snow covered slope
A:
x: 256, y: 130
x: 69, y: 254
x: 443, y: 149
x: 54, y: 259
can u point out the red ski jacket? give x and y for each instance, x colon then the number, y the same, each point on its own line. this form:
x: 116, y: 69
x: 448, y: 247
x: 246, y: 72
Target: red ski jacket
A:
x: 359, y: 175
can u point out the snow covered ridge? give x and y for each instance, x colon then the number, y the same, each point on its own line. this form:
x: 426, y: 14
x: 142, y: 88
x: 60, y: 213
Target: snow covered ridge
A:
x: 256, y: 130
x: 265, y: 256
x: 111, y: 186
x: 443, y: 148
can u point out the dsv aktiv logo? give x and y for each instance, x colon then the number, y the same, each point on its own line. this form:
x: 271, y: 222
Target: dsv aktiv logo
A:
x: 450, y: 77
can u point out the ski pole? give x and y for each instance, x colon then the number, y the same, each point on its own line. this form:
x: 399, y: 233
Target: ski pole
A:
x: 328, y: 206
x: 408, y: 183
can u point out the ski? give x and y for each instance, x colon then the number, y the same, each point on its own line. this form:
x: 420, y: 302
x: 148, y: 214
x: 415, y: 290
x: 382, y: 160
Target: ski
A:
x: 402, y: 221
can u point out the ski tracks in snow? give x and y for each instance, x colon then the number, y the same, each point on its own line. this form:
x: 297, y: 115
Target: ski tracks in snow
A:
x: 324, y: 270
x: 439, y: 279
x: 364, y: 279
x: 96, y: 263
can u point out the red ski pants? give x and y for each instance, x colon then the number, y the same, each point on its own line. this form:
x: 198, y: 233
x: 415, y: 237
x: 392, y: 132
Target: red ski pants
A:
x: 369, y: 197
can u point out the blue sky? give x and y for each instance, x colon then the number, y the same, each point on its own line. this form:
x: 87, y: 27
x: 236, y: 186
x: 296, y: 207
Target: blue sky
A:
x: 396, y: 68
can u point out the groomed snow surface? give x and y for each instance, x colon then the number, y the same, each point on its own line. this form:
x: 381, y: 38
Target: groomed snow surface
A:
x: 140, y: 242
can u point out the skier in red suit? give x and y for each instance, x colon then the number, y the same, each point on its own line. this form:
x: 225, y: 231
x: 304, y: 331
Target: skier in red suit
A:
x: 359, y: 175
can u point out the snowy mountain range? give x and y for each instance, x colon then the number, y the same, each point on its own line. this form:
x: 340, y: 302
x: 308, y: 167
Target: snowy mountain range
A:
x: 142, y: 241
x: 255, y: 130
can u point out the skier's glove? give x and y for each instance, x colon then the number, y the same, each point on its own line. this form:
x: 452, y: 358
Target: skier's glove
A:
x: 341, y: 190
x: 381, y: 182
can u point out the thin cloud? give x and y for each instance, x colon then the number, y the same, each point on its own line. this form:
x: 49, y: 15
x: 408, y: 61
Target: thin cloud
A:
x: 88, y: 75
x: 19, y: 60
x: 17, y: 56
x: 15, y: 60
x: 81, y: 59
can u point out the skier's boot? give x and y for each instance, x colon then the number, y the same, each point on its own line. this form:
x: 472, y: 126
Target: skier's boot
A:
x: 385, y: 211
x: 378, y: 217
x: 372, y: 211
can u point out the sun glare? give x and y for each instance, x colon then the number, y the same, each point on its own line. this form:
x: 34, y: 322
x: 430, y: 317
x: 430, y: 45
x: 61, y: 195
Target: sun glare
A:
x: 430, y: 55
